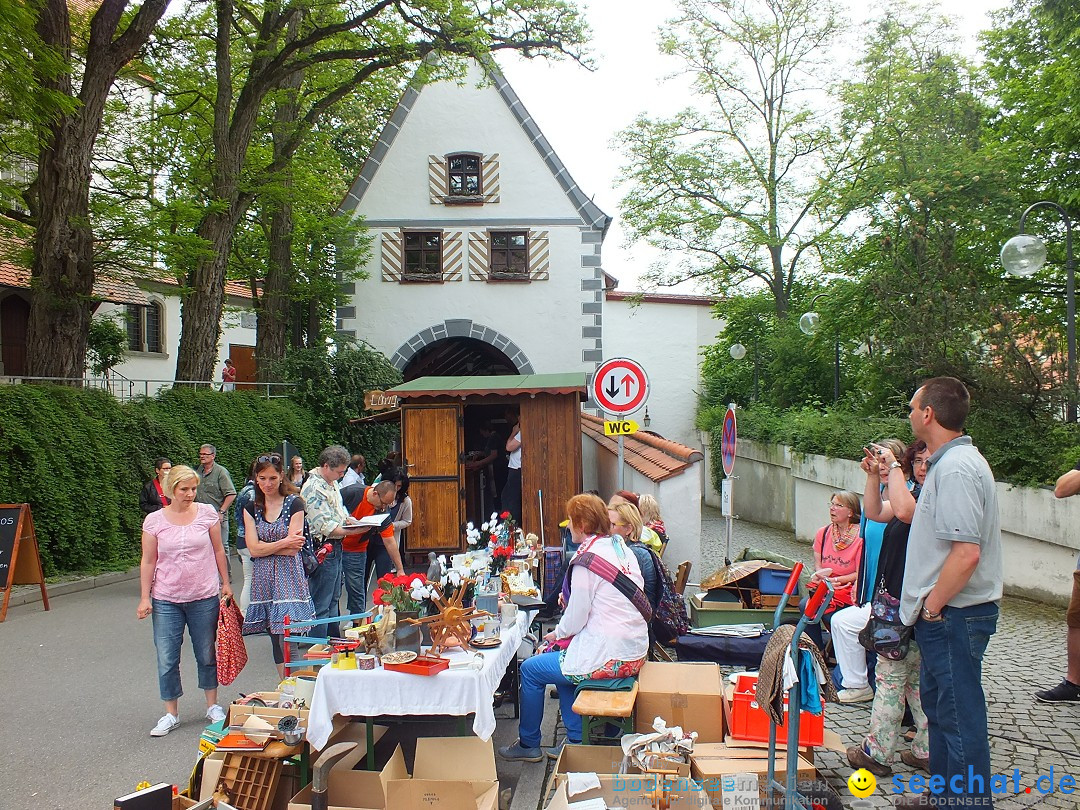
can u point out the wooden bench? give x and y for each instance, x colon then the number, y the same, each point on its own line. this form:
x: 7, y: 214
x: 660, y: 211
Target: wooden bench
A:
x: 605, y: 706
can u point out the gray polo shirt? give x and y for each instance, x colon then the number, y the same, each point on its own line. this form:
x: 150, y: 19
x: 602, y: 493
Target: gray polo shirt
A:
x: 958, y: 504
x: 214, y: 486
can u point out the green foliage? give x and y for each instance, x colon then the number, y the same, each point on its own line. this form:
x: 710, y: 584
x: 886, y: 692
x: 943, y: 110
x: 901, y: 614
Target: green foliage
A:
x: 332, y: 387
x: 105, y: 344
x: 80, y: 458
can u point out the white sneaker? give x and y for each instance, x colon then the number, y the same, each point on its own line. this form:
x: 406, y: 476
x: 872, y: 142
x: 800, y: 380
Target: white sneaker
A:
x: 215, y: 714
x: 165, y: 725
x: 856, y: 695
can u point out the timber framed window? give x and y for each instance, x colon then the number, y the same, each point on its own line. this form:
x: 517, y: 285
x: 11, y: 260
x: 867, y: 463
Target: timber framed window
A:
x: 463, y: 175
x: 144, y: 326
x: 423, y: 256
x: 509, y: 252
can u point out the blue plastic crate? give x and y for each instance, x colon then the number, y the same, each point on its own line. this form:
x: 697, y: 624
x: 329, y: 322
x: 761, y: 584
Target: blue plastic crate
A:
x: 772, y: 581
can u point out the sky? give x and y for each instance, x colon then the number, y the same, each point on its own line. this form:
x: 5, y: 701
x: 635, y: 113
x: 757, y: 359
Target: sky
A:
x: 580, y: 111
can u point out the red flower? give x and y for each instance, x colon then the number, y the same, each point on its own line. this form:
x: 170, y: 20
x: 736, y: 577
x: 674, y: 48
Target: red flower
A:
x: 504, y: 515
x: 502, y: 551
x: 377, y: 597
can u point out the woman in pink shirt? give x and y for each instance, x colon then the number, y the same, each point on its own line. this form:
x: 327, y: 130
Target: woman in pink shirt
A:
x: 182, y: 575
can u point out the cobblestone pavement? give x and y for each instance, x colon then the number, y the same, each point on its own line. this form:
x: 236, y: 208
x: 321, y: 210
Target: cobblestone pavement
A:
x: 1027, y: 653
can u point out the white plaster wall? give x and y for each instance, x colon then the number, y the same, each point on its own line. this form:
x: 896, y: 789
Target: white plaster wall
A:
x: 790, y: 491
x: 666, y: 338
x: 148, y: 368
x: 679, y: 498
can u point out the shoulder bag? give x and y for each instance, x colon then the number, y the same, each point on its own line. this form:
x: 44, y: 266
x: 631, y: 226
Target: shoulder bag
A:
x: 884, y: 633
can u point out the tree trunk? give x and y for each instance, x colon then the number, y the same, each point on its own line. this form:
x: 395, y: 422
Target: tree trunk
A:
x: 62, y: 271
x: 200, y: 315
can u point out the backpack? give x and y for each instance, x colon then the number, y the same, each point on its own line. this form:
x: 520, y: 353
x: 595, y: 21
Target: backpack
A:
x: 670, y: 619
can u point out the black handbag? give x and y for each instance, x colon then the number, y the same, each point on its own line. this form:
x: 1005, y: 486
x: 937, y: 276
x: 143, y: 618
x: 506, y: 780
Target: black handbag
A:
x: 884, y: 633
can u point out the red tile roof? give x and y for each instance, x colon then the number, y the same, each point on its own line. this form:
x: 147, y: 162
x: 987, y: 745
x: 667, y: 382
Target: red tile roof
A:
x: 653, y: 456
x: 661, y: 298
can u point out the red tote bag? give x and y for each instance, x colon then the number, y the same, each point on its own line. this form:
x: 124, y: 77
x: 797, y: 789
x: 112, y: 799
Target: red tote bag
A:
x: 231, y: 652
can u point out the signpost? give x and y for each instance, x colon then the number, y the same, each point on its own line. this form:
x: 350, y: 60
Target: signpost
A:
x: 17, y: 535
x: 727, y: 458
x: 623, y: 427
x: 380, y: 401
x: 620, y: 386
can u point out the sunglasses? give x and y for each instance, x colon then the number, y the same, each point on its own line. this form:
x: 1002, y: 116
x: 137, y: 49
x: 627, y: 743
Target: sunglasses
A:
x: 273, y: 458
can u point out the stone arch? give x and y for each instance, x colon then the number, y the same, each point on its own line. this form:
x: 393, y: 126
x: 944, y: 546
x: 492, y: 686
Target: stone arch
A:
x: 461, y: 328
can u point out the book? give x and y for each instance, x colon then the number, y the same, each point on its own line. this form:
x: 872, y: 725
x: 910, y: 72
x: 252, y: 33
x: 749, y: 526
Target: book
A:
x: 155, y: 797
x: 238, y: 741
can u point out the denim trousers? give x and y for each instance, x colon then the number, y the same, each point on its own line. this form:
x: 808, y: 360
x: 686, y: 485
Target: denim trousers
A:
x: 354, y: 567
x: 537, y: 674
x: 201, y: 618
x: 325, y: 588
x: 952, y: 697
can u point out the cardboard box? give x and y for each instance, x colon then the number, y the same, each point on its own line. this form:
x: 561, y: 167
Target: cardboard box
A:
x: 449, y: 773
x: 357, y: 789
x: 687, y: 695
x: 239, y: 712
x: 708, y: 613
x: 604, y: 760
x: 712, y: 762
x: 631, y: 791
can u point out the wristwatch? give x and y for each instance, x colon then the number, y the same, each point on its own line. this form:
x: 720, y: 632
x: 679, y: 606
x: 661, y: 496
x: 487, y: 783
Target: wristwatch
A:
x: 895, y: 465
x: 929, y: 615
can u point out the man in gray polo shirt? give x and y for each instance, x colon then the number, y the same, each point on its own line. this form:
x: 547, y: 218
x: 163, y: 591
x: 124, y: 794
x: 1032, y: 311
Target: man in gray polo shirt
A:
x: 952, y: 586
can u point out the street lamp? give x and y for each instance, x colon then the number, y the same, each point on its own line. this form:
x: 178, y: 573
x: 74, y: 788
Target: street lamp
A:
x: 738, y: 352
x: 1023, y: 255
x: 808, y: 325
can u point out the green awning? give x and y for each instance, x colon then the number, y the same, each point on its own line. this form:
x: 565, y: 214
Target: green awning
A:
x: 506, y: 385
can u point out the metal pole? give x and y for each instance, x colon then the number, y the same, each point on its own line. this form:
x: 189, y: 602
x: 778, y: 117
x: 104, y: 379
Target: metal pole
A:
x: 1070, y: 304
x: 621, y: 486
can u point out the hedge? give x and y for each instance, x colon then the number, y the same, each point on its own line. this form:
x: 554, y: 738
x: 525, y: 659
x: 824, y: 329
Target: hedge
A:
x: 80, y: 458
x: 1020, y: 450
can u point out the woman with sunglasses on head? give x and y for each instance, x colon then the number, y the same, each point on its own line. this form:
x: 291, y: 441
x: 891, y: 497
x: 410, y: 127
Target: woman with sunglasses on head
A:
x: 153, y: 495
x: 274, y: 533
x: 897, y: 681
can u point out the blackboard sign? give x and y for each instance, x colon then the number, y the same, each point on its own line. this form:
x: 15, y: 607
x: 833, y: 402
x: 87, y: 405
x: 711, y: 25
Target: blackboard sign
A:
x: 9, y: 529
x: 20, y: 562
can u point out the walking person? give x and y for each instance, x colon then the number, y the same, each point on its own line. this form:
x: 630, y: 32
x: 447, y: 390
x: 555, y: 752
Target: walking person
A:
x: 153, y: 495
x: 897, y: 678
x: 216, y: 489
x: 182, y: 577
x: 243, y: 498
x: 1068, y: 691
x: 274, y: 529
x: 952, y: 587
x: 228, y: 376
x: 326, y: 518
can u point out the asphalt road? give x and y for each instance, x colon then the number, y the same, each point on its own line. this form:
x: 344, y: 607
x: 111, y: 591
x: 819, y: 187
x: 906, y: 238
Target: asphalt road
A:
x: 78, y: 697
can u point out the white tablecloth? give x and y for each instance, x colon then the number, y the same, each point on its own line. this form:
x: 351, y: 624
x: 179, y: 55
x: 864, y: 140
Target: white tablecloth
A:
x: 378, y: 692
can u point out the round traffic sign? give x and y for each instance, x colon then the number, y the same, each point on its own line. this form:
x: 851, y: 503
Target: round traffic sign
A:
x: 620, y: 385
x: 727, y: 442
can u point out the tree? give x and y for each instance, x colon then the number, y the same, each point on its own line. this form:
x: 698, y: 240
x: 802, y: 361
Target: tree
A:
x: 62, y: 269
x: 742, y: 184
x: 376, y: 36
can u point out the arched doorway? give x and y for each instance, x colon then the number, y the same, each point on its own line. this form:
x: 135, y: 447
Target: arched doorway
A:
x: 458, y: 357
x: 14, y: 319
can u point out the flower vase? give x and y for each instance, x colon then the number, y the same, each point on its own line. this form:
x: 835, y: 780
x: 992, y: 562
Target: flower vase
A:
x: 407, y: 636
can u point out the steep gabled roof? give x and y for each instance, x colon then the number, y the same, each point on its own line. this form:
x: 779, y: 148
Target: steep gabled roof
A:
x: 590, y: 212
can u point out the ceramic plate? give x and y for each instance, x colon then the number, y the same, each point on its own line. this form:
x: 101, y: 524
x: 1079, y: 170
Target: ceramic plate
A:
x: 402, y: 657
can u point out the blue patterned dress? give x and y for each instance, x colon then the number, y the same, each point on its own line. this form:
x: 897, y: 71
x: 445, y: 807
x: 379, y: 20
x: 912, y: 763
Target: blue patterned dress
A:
x: 278, y: 584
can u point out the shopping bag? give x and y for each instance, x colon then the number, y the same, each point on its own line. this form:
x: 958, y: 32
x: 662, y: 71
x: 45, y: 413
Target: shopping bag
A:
x: 231, y: 652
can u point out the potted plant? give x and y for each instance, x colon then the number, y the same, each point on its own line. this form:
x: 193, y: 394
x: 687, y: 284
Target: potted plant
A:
x: 410, y: 597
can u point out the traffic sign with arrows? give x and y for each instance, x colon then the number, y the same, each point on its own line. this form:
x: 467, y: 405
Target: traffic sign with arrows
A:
x: 620, y: 386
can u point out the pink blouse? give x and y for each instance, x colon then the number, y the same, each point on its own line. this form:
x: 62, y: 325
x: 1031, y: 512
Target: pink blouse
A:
x: 186, y: 567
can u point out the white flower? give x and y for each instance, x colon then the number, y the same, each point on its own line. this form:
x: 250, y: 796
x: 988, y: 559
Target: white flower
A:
x: 442, y: 557
x: 416, y: 583
x: 418, y: 594
x: 469, y: 526
x: 455, y: 578
x: 494, y: 516
x: 472, y: 540
x: 483, y: 527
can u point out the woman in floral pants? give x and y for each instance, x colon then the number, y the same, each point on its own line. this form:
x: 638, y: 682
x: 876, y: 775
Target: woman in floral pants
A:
x: 897, y: 681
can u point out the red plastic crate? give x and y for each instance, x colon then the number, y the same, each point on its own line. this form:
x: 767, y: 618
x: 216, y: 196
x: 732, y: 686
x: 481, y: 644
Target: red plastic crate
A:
x: 750, y: 722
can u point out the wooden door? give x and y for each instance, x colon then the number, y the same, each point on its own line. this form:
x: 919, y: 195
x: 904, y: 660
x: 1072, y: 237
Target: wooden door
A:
x: 14, y: 318
x: 432, y: 438
x: 243, y: 358
x: 550, y: 461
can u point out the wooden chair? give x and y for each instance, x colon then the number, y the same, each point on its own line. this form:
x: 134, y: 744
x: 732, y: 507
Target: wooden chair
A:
x: 604, y: 706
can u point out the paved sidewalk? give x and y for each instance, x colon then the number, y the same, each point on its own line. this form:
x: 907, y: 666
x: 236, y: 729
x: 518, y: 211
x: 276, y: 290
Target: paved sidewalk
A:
x: 1027, y: 653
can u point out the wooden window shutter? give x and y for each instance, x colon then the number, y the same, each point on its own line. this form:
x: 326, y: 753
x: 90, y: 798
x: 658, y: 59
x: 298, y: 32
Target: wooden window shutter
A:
x: 436, y: 179
x: 479, y: 255
x: 539, y: 256
x: 490, y: 171
x: 453, y: 256
x: 391, y: 263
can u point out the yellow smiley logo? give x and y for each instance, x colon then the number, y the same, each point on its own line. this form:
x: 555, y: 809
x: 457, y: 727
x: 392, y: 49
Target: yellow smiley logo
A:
x: 861, y: 783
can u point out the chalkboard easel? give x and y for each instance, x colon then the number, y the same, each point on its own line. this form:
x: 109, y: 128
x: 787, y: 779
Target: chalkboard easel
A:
x: 20, y: 560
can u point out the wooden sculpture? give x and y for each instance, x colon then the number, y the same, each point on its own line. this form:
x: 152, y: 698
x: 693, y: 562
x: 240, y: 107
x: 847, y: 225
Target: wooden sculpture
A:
x: 369, y: 637
x: 452, y: 625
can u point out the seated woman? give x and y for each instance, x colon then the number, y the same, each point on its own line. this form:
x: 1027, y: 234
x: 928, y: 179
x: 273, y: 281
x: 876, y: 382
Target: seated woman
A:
x: 607, y: 634
x: 837, y: 551
x: 626, y: 523
x: 897, y: 681
x: 647, y: 536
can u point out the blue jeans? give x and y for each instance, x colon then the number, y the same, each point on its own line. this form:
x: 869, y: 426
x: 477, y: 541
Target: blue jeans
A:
x: 354, y: 566
x: 537, y: 673
x: 325, y: 588
x: 201, y: 618
x: 952, y: 697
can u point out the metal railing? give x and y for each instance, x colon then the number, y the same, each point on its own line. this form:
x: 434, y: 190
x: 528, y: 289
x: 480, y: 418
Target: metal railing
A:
x: 126, y: 389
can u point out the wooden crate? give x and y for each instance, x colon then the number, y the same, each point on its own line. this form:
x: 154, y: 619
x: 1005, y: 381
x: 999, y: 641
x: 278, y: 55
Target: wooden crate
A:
x: 250, y: 782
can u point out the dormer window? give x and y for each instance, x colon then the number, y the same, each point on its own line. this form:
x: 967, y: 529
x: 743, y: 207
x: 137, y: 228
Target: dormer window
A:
x: 463, y: 175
